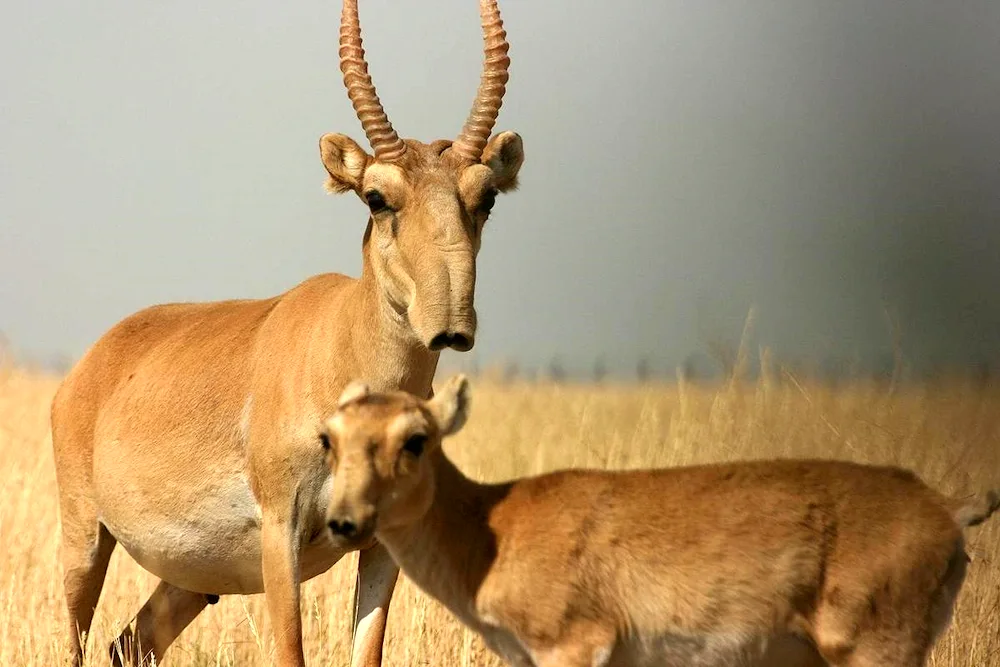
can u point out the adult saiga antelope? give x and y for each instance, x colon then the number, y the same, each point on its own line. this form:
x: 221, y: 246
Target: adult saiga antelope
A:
x: 775, y: 563
x: 188, y: 432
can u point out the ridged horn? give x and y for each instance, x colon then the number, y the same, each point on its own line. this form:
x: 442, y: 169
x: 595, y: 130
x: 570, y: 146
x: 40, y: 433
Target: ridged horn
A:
x: 472, y: 140
x: 384, y: 140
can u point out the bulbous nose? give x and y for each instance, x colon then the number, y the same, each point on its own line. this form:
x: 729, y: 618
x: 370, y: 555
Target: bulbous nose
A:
x: 462, y: 342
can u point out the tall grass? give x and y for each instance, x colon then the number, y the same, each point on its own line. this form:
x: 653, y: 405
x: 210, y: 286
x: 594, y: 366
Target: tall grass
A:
x: 949, y: 432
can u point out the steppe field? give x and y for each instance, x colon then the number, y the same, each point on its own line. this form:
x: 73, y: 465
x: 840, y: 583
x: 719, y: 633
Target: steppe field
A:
x: 948, y: 431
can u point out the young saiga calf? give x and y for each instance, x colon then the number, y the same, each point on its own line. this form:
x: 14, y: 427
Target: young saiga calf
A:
x: 755, y: 563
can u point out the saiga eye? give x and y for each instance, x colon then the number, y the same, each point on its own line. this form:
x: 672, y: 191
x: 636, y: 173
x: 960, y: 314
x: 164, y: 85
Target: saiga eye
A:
x: 376, y: 202
x: 415, y: 444
x: 489, y: 199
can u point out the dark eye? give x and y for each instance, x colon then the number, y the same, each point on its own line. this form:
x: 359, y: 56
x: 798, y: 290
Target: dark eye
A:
x: 376, y: 202
x: 324, y: 440
x: 487, y: 202
x: 415, y: 444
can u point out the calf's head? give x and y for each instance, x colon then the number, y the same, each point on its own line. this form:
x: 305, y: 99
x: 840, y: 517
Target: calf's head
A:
x: 380, y: 448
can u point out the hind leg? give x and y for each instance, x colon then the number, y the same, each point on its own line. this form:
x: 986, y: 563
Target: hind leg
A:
x: 86, y: 545
x: 889, y: 641
x: 884, y: 652
x: 892, y: 621
x: 86, y: 551
x: 164, y: 616
x: 943, y: 603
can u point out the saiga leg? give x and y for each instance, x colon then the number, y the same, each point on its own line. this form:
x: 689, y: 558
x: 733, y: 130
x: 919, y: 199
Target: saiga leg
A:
x: 280, y: 564
x: 164, y: 616
x: 86, y: 551
x: 377, y: 575
x: 87, y: 545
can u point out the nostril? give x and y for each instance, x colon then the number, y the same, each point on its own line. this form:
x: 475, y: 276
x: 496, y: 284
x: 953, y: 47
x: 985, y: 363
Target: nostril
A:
x: 441, y: 341
x: 461, y: 342
x: 345, y: 528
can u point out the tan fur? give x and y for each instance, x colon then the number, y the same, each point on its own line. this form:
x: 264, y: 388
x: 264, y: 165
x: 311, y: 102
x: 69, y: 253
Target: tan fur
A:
x: 188, y: 432
x: 782, y: 562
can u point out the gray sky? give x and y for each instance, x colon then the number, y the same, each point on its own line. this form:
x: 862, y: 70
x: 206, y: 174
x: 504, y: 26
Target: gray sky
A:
x: 685, y: 160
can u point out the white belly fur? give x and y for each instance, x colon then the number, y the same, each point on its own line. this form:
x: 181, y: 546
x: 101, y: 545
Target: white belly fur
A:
x: 207, y: 541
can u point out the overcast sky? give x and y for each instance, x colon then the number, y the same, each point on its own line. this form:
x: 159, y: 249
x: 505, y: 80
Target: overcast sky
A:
x: 686, y: 159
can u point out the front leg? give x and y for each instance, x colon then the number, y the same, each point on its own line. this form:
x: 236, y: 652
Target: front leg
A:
x: 377, y: 574
x: 280, y: 565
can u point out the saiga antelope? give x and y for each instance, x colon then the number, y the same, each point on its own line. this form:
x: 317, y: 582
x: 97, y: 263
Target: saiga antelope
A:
x: 187, y: 433
x: 756, y: 563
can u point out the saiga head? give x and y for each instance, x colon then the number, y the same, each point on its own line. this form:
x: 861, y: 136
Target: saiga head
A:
x: 379, y: 448
x: 428, y: 202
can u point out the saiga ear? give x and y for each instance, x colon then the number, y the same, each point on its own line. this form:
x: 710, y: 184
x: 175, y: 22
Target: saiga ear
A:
x: 450, y: 406
x: 504, y: 155
x: 353, y: 391
x: 345, y: 161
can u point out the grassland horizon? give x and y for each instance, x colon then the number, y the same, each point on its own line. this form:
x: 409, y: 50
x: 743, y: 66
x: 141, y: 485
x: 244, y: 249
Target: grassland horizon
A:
x: 947, y: 431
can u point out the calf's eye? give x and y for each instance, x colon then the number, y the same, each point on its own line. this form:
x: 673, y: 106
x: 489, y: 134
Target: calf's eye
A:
x: 415, y: 444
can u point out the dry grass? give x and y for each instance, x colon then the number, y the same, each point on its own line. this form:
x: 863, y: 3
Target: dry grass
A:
x: 950, y: 433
